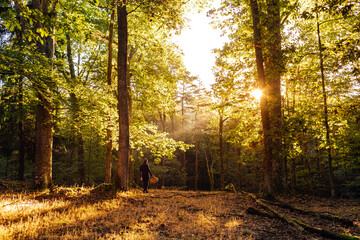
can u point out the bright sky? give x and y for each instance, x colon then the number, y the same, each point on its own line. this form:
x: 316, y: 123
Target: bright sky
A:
x: 197, y: 43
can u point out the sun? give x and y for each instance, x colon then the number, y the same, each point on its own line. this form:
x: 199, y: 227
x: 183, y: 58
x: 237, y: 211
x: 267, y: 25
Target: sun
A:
x: 256, y: 94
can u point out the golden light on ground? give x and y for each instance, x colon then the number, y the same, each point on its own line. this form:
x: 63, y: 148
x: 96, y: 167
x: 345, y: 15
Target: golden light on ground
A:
x: 233, y: 223
x: 256, y: 94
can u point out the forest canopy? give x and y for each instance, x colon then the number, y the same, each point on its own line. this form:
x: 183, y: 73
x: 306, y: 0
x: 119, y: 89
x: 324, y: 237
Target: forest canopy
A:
x: 88, y: 89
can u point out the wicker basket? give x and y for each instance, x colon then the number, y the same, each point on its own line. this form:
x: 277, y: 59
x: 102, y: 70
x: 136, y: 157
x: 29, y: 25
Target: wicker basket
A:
x: 153, y: 180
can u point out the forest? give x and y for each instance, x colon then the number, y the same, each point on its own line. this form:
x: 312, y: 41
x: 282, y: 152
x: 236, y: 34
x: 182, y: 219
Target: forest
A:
x: 90, y: 88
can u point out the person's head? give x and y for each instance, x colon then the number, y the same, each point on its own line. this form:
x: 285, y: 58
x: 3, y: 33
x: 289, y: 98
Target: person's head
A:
x: 146, y: 161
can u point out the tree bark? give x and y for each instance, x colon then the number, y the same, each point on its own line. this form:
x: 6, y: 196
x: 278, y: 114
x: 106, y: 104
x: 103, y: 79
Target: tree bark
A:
x: 258, y: 41
x: 183, y: 130
x: 44, y: 115
x: 293, y: 175
x: 122, y: 173
x: 210, y: 172
x: 128, y: 77
x: 273, y: 70
x: 162, y: 163
x: 108, y: 129
x: 21, y: 160
x: 221, y: 123
x: 21, y: 167
x: 321, y: 173
x: 308, y: 167
x: 239, y: 160
x: 196, y: 149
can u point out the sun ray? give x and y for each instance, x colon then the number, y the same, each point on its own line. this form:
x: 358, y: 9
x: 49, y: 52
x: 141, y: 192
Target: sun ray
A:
x: 256, y: 94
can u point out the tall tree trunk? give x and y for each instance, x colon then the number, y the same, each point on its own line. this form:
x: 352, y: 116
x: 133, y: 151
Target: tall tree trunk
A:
x: 273, y: 70
x: 308, y: 167
x: 44, y: 144
x: 293, y: 175
x: 128, y: 78
x: 44, y: 112
x: 321, y: 171
x: 122, y: 173
x: 326, y: 115
x: 239, y: 160
x: 196, y: 149
x: 108, y: 162
x: 21, y: 166
x: 108, y: 129
x: 258, y: 41
x: 210, y: 171
x: 183, y: 130
x: 221, y: 123
x: 81, y: 158
x: 162, y: 163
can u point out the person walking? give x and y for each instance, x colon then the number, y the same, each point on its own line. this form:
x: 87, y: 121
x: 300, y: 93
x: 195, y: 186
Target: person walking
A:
x: 145, y: 174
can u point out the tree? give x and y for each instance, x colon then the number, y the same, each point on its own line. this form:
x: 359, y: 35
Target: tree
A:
x: 273, y: 70
x: 265, y: 116
x: 121, y: 178
x: 326, y: 121
x: 44, y: 115
x: 109, y: 82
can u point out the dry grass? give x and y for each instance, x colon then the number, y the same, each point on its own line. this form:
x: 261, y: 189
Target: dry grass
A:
x: 77, y: 213
x: 80, y: 213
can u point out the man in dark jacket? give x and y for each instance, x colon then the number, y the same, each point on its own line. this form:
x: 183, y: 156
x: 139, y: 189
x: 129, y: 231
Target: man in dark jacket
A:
x: 145, y: 174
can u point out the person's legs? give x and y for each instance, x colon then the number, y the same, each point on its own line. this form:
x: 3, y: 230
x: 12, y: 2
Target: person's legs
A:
x: 146, y: 185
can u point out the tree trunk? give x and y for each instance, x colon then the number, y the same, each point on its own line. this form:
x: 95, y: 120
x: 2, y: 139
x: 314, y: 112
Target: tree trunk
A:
x: 221, y: 122
x: 183, y: 131
x: 44, y: 115
x: 293, y: 175
x: 321, y: 171
x: 44, y: 144
x: 238, y: 157
x: 308, y: 167
x: 210, y: 171
x: 258, y: 41
x: 326, y: 115
x: 81, y: 158
x: 21, y: 166
x: 196, y: 149
x: 274, y: 67
x: 162, y: 164
x: 122, y: 173
x: 128, y: 78
x: 108, y: 129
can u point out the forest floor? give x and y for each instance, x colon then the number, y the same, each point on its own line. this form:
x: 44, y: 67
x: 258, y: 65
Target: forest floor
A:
x: 85, y: 213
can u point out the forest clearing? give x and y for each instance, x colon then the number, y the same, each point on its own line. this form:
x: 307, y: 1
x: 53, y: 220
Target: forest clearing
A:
x: 99, y: 93
x: 88, y: 213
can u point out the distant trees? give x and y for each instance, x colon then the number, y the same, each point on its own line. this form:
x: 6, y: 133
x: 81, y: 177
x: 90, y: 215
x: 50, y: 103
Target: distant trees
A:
x: 300, y: 136
x: 302, y: 128
x: 74, y: 83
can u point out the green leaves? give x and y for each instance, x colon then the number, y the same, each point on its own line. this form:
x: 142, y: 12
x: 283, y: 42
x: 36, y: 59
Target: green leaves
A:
x: 146, y: 137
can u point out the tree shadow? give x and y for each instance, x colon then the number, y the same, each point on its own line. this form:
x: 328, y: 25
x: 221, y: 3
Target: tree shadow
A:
x: 69, y: 195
